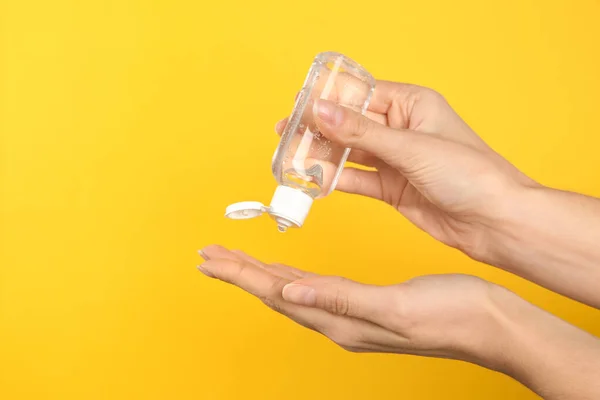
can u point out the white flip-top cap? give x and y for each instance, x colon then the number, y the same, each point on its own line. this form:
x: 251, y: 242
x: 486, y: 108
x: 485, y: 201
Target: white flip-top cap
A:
x: 289, y: 208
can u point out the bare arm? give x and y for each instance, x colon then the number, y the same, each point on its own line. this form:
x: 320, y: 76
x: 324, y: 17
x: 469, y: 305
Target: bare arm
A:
x: 551, y: 357
x: 550, y: 237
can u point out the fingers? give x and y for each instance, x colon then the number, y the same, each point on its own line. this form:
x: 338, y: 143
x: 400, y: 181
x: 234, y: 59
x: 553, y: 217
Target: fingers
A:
x: 262, y: 283
x: 401, y: 149
x: 266, y: 287
x: 286, y: 272
x: 386, y: 93
x: 245, y: 275
x: 291, y: 271
x: 280, y: 126
x: 356, y: 156
x: 215, y: 251
x: 353, y: 130
x: 280, y: 270
x: 354, y: 334
x: 363, y: 158
x: 361, y: 182
x: 342, y: 297
x: 379, y: 118
x: 245, y: 257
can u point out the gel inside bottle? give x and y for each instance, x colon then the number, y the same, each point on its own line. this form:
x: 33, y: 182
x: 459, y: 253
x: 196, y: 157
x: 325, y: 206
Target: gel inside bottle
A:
x: 307, y: 165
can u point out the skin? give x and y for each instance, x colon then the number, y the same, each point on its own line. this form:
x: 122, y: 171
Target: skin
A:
x: 432, y: 168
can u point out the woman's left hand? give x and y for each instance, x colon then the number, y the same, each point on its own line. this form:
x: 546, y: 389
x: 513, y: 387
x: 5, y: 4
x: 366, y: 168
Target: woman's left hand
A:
x: 450, y: 316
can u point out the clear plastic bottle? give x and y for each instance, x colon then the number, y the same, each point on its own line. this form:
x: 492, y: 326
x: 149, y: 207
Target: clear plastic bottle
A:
x: 307, y: 165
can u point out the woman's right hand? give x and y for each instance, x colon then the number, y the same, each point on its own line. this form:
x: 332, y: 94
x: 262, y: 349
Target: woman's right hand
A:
x: 428, y: 163
x: 440, y: 175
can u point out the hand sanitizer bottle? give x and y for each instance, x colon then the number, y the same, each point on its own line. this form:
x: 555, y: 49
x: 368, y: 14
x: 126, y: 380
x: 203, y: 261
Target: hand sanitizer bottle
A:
x: 307, y: 165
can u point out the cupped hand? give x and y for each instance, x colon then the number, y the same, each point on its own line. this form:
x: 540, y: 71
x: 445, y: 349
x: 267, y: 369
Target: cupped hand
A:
x: 449, y: 316
x: 428, y: 163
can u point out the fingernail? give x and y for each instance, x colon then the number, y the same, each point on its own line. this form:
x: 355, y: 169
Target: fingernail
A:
x: 328, y: 112
x: 205, y: 271
x: 299, y: 294
x: 202, y: 254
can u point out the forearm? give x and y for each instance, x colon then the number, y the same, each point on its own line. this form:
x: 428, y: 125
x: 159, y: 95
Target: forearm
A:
x: 552, y: 238
x: 548, y: 355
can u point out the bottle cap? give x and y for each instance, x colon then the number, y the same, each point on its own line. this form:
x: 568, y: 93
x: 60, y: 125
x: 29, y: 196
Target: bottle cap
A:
x: 245, y: 210
x: 289, y: 208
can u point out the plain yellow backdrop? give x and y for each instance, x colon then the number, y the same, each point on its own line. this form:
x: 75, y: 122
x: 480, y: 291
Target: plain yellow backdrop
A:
x: 128, y: 125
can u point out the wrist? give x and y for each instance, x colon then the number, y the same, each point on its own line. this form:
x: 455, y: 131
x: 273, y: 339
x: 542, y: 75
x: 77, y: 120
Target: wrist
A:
x: 510, y: 222
x: 483, y: 333
x: 547, y: 236
x: 550, y: 356
x: 498, y: 224
x: 491, y: 343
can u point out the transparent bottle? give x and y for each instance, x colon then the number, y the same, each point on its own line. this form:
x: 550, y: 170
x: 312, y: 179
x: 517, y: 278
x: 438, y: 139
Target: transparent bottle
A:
x: 307, y: 165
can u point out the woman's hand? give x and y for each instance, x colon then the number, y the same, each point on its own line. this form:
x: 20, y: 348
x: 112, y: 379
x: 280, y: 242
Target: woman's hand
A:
x: 429, y: 164
x: 450, y: 316
x: 441, y: 176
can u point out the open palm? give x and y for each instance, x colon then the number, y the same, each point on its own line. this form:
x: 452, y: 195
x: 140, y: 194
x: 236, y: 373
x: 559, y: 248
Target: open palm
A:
x: 429, y: 316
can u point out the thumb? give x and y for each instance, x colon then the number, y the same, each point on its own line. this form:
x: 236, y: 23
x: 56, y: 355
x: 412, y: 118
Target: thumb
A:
x: 341, y: 296
x: 398, y: 148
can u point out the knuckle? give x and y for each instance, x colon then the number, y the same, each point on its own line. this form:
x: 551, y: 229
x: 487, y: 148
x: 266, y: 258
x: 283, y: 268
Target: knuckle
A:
x: 358, y: 128
x: 402, y: 315
x: 231, y: 272
x: 433, y: 96
x: 341, y: 304
x: 272, y: 296
x: 239, y: 270
x: 358, y: 183
x: 272, y: 303
x: 337, y: 303
x: 276, y: 286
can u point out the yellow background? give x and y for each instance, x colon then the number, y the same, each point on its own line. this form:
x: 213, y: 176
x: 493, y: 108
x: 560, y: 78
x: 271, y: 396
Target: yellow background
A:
x: 127, y: 127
